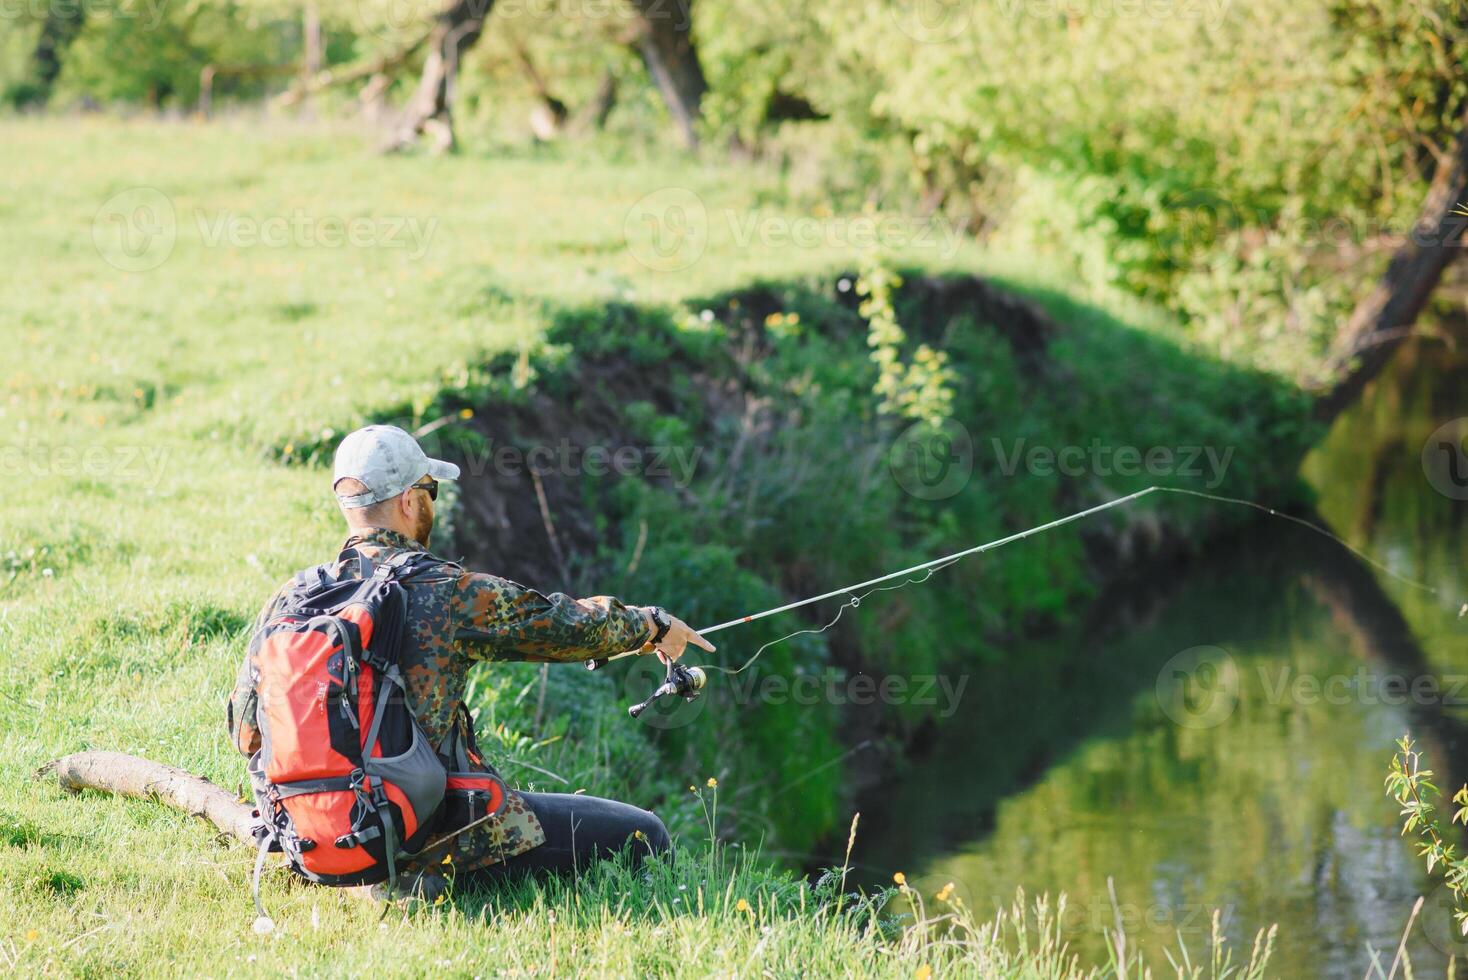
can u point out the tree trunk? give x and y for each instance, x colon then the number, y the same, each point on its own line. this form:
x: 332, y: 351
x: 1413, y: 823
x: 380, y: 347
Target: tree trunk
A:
x: 64, y: 21
x: 665, y: 41
x: 548, y: 117
x: 129, y: 775
x: 312, y: 45
x: 594, y: 114
x: 1384, y: 318
x: 430, y: 112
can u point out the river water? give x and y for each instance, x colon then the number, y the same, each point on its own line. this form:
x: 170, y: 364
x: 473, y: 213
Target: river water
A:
x: 1216, y: 734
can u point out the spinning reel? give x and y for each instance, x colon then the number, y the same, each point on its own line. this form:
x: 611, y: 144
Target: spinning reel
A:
x: 681, y: 681
x: 684, y: 682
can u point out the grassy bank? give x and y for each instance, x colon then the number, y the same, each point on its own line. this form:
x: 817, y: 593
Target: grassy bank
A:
x: 166, y: 427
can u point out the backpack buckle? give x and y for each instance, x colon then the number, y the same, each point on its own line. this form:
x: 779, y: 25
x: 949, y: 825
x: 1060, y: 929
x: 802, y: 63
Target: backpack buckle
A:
x: 356, y: 837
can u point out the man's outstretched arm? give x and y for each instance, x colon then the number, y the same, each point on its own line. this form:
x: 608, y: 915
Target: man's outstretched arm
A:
x: 497, y: 619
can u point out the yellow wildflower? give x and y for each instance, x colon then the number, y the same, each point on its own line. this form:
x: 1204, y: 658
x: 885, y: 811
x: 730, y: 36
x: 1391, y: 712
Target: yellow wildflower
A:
x: 923, y: 972
x: 713, y: 783
x: 946, y: 892
x: 741, y: 906
x: 900, y: 878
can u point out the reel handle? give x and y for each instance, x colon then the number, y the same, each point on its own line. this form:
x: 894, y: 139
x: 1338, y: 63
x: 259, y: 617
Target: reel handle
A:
x: 685, y: 682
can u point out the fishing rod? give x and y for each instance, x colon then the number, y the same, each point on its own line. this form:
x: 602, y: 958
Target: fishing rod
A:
x: 687, y: 682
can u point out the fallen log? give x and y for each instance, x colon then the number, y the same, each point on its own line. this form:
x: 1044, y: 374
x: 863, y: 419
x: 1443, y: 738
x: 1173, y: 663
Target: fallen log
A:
x: 130, y: 775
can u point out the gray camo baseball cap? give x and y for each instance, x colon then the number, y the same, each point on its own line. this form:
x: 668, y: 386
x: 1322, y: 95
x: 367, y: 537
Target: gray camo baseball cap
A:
x: 388, y: 461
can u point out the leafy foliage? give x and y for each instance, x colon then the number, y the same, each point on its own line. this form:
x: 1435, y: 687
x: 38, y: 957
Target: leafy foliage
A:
x: 1410, y: 784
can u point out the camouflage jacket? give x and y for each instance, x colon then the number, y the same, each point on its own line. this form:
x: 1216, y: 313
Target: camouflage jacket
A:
x: 457, y: 618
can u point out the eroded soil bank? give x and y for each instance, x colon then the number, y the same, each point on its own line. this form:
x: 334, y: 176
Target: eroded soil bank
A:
x: 730, y: 455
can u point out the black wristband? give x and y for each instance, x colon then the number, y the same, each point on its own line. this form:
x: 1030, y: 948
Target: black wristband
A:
x: 662, y: 620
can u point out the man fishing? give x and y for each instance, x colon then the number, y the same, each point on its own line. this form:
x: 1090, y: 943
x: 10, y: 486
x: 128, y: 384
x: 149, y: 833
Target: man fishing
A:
x: 386, y: 487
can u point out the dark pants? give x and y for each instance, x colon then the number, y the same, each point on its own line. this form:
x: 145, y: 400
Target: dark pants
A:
x: 582, y: 829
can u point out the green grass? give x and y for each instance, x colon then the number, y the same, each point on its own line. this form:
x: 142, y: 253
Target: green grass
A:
x: 145, y: 418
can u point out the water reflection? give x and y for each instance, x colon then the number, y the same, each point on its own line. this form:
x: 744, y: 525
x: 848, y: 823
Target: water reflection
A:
x: 1217, y: 737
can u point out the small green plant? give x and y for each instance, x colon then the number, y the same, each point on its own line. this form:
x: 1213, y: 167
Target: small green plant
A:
x: 920, y: 389
x: 1410, y: 783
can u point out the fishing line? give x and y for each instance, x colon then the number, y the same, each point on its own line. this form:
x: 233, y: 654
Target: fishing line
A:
x: 929, y: 568
x: 851, y: 603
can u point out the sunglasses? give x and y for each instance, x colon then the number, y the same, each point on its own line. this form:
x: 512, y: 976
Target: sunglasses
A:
x: 431, y: 487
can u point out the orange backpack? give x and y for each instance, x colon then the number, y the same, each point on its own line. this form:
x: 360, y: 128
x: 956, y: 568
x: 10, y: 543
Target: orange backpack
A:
x: 346, y: 783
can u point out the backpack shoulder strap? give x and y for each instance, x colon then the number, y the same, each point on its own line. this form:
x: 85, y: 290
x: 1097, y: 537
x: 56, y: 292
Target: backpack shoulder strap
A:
x: 365, y: 565
x: 406, y: 564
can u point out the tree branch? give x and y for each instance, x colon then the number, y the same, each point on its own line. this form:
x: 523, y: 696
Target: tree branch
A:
x: 143, y: 779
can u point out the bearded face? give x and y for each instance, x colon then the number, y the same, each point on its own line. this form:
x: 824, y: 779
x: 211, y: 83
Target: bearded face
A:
x: 423, y: 523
